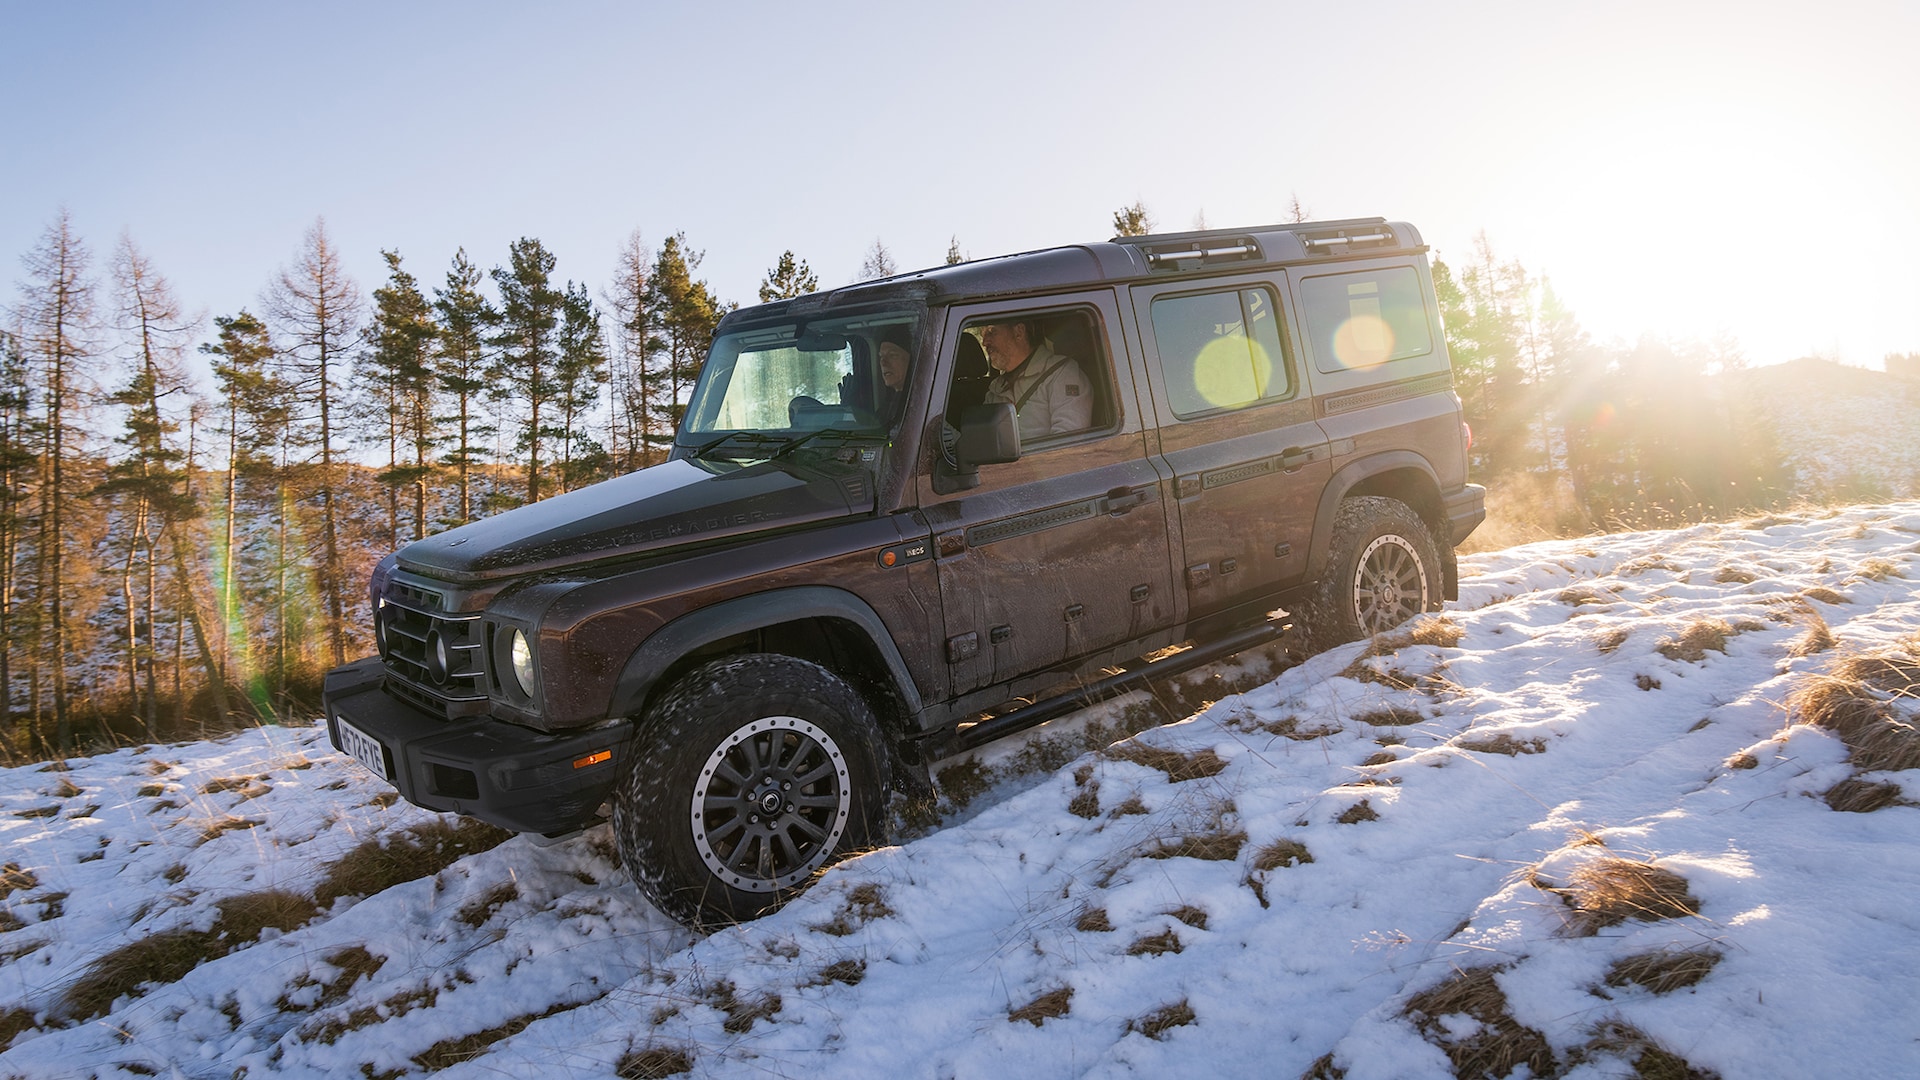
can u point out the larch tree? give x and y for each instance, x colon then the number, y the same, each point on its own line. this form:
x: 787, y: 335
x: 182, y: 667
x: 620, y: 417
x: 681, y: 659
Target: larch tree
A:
x: 525, y: 353
x: 789, y: 278
x: 878, y: 263
x: 954, y: 255
x: 152, y: 475
x: 17, y: 457
x: 56, y: 313
x: 317, y: 309
x: 461, y: 368
x: 633, y: 426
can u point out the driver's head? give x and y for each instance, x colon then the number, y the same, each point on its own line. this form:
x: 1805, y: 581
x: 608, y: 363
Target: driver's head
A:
x: 1008, y: 344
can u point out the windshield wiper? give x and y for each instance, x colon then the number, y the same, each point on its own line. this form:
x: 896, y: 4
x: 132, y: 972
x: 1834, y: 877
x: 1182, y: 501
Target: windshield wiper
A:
x: 805, y: 437
x: 757, y: 437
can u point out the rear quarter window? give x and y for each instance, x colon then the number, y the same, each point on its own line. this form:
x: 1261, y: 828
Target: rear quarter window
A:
x: 1360, y: 320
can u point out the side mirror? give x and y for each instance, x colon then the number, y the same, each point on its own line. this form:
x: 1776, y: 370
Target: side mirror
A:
x: 989, y: 435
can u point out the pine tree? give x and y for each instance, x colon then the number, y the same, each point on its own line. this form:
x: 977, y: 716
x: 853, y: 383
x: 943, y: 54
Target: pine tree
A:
x: 878, y: 263
x: 1132, y: 220
x: 57, y: 315
x: 579, y: 373
x: 682, y: 316
x: 461, y: 368
x: 788, y: 278
x: 256, y: 411
x: 524, y: 360
x: 317, y: 308
x: 399, y: 377
x: 953, y: 251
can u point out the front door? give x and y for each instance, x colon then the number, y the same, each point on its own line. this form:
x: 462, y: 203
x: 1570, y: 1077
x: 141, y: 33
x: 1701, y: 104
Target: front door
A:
x: 1064, y: 552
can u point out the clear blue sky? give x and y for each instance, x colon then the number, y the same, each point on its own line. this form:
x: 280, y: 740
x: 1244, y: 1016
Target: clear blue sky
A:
x: 1684, y: 168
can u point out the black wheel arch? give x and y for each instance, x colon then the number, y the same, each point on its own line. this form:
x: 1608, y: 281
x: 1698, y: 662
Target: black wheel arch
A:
x: 1398, y: 474
x: 828, y: 626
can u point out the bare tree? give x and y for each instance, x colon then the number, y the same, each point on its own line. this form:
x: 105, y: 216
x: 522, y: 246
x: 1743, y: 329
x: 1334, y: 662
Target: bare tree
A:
x: 633, y: 425
x: 1297, y: 213
x: 317, y: 309
x: 878, y: 263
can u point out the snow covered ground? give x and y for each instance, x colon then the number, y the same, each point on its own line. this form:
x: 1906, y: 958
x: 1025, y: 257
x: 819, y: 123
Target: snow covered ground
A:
x: 1578, y: 821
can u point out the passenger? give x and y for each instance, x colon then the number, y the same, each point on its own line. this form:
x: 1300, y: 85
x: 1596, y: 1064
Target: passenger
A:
x: 1050, y: 393
x: 895, y: 353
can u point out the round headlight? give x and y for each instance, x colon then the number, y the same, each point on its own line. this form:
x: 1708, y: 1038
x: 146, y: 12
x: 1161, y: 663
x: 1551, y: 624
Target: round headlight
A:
x: 520, y: 660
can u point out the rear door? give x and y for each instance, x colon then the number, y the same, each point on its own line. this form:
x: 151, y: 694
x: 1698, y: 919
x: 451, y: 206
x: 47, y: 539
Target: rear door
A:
x: 1238, y: 434
x: 1065, y: 552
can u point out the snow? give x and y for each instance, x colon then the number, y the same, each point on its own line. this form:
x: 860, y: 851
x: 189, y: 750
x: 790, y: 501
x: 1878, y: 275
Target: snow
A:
x: 1439, y: 789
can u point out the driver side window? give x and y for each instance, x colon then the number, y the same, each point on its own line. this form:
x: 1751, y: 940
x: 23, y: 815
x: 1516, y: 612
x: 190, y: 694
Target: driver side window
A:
x: 1048, y: 365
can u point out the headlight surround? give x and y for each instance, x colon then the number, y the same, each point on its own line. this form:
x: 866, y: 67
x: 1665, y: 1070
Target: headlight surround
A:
x: 520, y: 660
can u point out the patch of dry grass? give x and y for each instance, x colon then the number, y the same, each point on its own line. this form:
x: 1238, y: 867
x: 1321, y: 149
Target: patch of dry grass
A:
x: 1289, y: 728
x: 1390, y: 716
x: 1696, y: 638
x: 1734, y: 575
x: 13, y: 1021
x: 387, y: 860
x: 1093, y: 920
x: 1609, y: 891
x: 1611, y: 639
x: 1156, y: 1024
x: 863, y: 903
x: 1856, y: 796
x: 166, y: 956
x: 1816, y: 638
x: 654, y: 1062
x: 1498, y: 1045
x: 847, y: 972
x: 1160, y: 944
x: 1649, y: 1060
x: 1855, y: 700
x: 1085, y: 802
x: 1663, y: 971
x: 1503, y: 743
x: 1357, y: 813
x: 742, y: 1012
x: 1179, y: 766
x: 1054, y: 1003
x: 1282, y: 852
x: 14, y: 878
x: 350, y: 965
x: 1190, y: 914
x: 1878, y: 570
x: 477, y: 911
x: 447, y: 1053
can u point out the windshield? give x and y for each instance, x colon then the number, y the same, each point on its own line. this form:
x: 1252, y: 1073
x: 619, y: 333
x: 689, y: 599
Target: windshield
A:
x: 846, y: 374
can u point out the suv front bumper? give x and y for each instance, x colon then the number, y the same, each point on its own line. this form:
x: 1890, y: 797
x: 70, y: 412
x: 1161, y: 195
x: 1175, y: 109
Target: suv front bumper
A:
x: 500, y: 773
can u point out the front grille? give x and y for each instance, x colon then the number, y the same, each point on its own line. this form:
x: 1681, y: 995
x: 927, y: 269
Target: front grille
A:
x: 435, y: 658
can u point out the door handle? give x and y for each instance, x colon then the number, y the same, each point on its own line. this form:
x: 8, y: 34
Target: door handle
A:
x: 1121, y: 500
x: 1293, y: 457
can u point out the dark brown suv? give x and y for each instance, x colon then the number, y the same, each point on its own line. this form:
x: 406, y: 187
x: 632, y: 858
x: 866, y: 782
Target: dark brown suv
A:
x: 894, y: 506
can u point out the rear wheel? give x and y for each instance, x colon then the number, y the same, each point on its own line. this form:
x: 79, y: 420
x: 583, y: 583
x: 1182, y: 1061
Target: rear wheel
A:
x: 1383, y: 568
x: 748, y: 776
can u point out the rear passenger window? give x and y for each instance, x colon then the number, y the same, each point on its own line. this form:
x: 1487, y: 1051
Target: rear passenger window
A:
x: 1364, y: 319
x: 1219, y: 350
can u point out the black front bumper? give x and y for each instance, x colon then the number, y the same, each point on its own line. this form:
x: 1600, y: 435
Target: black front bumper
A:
x: 503, y: 774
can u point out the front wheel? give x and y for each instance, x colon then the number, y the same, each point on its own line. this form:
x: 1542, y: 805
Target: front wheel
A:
x: 1383, y: 568
x: 750, y: 774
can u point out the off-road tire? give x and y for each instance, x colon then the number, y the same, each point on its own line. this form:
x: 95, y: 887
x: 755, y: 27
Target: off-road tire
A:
x: 788, y: 766
x: 1383, y: 568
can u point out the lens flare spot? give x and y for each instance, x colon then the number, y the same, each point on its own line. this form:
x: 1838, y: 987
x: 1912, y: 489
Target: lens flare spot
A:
x: 1363, y: 341
x: 1231, y: 371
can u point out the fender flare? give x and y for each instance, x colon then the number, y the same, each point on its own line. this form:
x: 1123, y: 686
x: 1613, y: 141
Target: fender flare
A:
x: 1343, y: 481
x: 670, y: 643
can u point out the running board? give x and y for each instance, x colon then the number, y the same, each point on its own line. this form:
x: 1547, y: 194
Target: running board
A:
x: 999, y: 727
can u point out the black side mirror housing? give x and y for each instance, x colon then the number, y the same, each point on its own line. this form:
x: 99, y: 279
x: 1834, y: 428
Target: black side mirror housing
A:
x: 989, y: 435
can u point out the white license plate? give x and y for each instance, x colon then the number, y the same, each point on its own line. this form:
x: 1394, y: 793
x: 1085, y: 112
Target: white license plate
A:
x: 364, y: 747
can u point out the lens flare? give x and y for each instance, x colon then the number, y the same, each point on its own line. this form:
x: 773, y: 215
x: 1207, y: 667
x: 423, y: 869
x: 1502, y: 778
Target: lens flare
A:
x: 1363, y: 340
x: 1231, y: 371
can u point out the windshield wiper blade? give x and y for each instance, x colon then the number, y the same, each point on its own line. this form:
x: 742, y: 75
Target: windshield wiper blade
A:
x: 806, y: 437
x: 710, y: 445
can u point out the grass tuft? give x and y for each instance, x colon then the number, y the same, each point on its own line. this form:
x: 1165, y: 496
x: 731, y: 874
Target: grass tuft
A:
x: 1193, y: 916
x: 1857, y: 796
x: 1289, y: 728
x: 1504, y: 743
x: 167, y: 956
x: 653, y: 1063
x: 1178, y: 766
x: 1093, y: 921
x: 742, y: 1012
x: 14, y: 878
x: 447, y: 1053
x: 13, y: 1021
x: 384, y: 861
x: 1358, y: 812
x: 1878, y: 570
x: 1157, y: 1023
x: 1663, y: 971
x: 864, y: 903
x: 1609, y: 891
x: 1281, y: 853
x: 1693, y: 642
x: 1390, y: 716
x: 1498, y: 1045
x: 848, y: 972
x: 1855, y: 702
x: 1086, y: 802
x: 1166, y: 941
x: 1218, y: 845
x: 1650, y: 1061
x: 477, y: 911
x: 1053, y: 1003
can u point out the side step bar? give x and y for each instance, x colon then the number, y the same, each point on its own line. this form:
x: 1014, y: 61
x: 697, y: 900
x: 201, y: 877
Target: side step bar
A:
x: 999, y: 727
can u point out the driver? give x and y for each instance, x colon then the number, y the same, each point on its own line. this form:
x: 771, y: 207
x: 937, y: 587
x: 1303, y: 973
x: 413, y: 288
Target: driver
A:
x: 1050, y: 393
